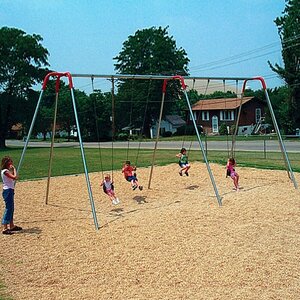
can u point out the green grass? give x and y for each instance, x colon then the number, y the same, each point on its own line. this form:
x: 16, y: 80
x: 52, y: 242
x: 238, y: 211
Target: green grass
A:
x: 229, y: 138
x: 203, y: 137
x: 67, y: 161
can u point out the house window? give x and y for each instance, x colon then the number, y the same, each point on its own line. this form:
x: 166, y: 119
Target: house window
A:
x: 215, y: 124
x: 227, y: 115
x: 257, y: 115
x: 194, y: 114
x: 205, y: 116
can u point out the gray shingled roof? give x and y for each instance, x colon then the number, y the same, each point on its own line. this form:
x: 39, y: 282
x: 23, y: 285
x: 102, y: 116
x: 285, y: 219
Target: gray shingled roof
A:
x: 175, y: 120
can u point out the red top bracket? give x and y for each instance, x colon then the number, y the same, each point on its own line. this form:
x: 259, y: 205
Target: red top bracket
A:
x: 177, y: 77
x: 261, y: 79
x: 58, y: 75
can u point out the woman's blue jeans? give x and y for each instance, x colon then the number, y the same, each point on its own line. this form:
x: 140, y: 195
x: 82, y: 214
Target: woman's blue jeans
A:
x: 8, y: 196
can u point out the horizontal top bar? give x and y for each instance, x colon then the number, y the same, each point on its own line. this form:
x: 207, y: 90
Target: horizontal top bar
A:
x: 155, y: 77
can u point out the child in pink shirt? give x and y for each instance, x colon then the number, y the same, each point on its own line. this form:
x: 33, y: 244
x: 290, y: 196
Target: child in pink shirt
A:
x: 231, y: 164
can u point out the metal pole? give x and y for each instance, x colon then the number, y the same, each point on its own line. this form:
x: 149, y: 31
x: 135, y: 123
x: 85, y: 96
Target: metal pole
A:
x: 113, y: 107
x: 282, y: 146
x: 155, y: 77
x: 157, y: 137
x: 203, y: 151
x: 113, y: 128
x: 205, y: 139
x: 30, y: 131
x: 265, y: 147
x: 236, y: 127
x: 51, y: 149
x: 84, y: 162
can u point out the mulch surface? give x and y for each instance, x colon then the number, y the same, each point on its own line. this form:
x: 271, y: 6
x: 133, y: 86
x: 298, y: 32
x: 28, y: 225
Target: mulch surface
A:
x: 172, y: 241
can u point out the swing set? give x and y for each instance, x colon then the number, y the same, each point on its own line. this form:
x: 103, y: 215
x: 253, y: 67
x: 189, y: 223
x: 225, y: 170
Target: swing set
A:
x: 166, y: 80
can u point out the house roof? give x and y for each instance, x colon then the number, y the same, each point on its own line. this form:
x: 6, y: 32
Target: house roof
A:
x: 17, y: 127
x: 175, y: 120
x: 218, y: 104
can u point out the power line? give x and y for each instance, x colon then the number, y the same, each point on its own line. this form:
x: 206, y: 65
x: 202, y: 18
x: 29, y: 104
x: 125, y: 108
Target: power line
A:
x: 214, y: 64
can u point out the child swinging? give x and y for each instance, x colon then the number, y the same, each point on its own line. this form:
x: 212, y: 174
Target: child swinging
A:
x: 109, y: 190
x: 130, y: 176
x: 183, y: 162
x: 230, y: 171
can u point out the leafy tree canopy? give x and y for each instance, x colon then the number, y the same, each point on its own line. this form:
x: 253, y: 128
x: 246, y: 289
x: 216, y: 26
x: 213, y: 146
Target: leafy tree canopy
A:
x: 151, y: 51
x: 148, y: 51
x: 22, y: 62
x: 289, y: 31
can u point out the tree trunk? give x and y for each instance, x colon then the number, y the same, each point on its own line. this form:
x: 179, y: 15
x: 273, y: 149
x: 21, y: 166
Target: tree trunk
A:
x: 2, y: 136
x: 3, y: 129
x: 2, y: 140
x: 296, y: 102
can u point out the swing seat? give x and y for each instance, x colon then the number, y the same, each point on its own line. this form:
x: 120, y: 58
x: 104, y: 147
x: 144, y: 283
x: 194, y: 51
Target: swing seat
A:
x: 227, y: 173
x: 104, y: 188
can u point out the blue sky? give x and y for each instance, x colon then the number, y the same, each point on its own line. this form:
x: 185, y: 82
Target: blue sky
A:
x: 221, y: 37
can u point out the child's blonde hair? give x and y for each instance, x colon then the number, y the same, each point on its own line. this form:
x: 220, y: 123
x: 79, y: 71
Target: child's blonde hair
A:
x: 106, y: 176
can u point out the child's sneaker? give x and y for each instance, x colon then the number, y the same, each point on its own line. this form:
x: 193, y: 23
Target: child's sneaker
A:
x: 186, y: 173
x: 134, y: 187
x: 180, y: 173
x: 114, y: 202
x: 117, y: 200
x: 140, y: 187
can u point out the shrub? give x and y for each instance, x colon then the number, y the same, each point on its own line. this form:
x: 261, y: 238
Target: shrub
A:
x: 167, y: 134
x: 188, y: 130
x: 122, y: 136
x: 223, y: 129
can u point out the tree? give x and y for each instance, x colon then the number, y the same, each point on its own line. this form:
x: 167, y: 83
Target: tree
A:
x: 22, y: 62
x: 102, y: 103
x: 45, y: 116
x: 280, y: 108
x: 148, y: 51
x: 289, y: 32
x: 94, y: 115
x: 65, y: 110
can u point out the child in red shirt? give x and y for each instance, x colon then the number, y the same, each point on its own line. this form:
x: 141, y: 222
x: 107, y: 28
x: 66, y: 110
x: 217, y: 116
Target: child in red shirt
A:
x: 130, y: 176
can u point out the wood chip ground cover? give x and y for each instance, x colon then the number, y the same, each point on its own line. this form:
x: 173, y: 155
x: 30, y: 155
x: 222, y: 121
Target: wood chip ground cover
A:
x: 170, y: 242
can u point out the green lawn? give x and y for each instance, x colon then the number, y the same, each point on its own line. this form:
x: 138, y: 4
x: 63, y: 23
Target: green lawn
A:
x: 68, y: 161
x: 229, y: 138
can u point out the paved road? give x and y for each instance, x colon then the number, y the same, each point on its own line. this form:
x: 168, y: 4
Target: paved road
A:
x: 271, y: 145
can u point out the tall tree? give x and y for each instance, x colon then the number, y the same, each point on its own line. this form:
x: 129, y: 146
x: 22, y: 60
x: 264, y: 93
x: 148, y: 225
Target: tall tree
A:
x: 22, y: 64
x: 289, y: 31
x: 148, y: 51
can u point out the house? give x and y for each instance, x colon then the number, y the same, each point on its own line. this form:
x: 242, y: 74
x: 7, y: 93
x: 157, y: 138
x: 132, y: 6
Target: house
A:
x: 131, y: 130
x: 170, y: 123
x: 16, y: 131
x: 212, y: 113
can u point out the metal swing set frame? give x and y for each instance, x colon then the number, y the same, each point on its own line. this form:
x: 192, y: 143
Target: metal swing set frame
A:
x: 166, y: 79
